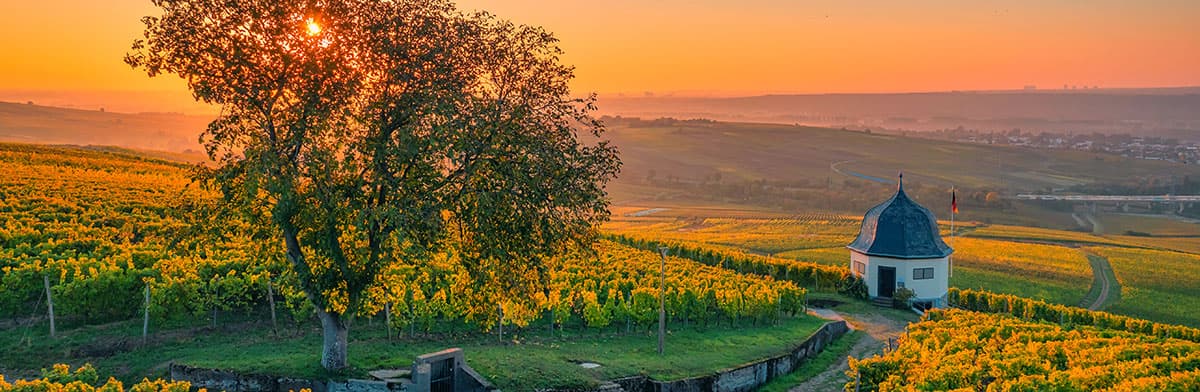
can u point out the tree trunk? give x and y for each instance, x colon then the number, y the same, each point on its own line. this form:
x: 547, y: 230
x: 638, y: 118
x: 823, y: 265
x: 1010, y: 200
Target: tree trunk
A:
x: 334, y: 332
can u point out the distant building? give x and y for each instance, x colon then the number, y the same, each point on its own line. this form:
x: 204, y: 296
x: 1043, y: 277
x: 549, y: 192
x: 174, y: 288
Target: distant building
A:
x: 900, y: 246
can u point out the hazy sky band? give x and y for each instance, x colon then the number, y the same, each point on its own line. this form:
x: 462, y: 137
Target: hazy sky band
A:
x: 711, y: 47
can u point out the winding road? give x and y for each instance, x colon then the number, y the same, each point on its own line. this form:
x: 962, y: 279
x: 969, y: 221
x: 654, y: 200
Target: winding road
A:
x: 836, y: 169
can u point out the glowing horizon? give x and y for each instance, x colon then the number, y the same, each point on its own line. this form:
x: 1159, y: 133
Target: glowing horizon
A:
x: 74, y: 48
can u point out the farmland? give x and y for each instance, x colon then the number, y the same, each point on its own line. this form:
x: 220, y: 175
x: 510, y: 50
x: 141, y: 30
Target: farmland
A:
x: 1051, y: 272
x: 1156, y: 285
x: 1032, y: 262
x: 104, y: 228
x: 954, y: 349
x: 101, y: 225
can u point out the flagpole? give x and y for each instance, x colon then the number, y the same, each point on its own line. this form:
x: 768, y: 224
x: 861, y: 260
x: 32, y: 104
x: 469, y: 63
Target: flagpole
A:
x: 953, y: 233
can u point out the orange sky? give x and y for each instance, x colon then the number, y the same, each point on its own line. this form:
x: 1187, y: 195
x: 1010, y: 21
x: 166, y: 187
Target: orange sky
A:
x: 69, y: 51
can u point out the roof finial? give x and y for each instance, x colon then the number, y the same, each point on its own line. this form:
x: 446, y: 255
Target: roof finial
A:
x: 900, y: 185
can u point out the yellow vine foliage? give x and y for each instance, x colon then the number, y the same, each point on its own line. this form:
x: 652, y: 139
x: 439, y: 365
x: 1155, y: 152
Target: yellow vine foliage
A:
x: 957, y: 349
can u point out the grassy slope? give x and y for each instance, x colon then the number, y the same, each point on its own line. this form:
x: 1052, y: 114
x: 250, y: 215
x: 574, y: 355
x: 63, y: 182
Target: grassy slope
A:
x: 535, y: 360
x: 832, y: 354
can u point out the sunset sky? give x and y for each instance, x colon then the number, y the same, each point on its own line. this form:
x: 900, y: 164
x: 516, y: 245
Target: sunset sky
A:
x: 69, y: 52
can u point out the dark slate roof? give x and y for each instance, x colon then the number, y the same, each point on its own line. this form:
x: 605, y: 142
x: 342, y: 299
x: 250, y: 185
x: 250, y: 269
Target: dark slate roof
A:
x: 900, y: 228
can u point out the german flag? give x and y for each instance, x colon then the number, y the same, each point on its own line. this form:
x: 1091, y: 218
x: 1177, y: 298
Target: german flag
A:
x: 953, y: 201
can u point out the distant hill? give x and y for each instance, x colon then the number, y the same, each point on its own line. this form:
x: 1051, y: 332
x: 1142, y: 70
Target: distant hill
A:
x: 792, y: 169
x: 27, y: 123
x: 777, y: 166
x: 693, y: 150
x: 1164, y: 112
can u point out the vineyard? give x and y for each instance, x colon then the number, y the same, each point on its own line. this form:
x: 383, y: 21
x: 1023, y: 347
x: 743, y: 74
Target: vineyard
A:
x: 112, y: 237
x: 766, y: 236
x: 1158, y: 285
x: 1040, y: 234
x: 108, y: 236
x: 959, y: 349
x: 1053, y: 273
x: 95, y: 224
x: 805, y: 274
x: 60, y: 378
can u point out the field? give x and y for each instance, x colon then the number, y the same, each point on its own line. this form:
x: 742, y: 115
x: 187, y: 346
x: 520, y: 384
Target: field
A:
x: 103, y: 227
x: 776, y: 169
x: 1054, y: 273
x: 762, y: 236
x: 691, y: 150
x: 1156, y: 285
x: 788, y: 170
x: 546, y: 358
x: 1156, y: 225
x: 955, y: 349
x: 1048, y: 272
x: 1037, y: 263
x: 1042, y: 234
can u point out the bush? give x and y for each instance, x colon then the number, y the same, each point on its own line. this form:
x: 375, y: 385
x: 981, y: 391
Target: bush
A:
x: 901, y: 298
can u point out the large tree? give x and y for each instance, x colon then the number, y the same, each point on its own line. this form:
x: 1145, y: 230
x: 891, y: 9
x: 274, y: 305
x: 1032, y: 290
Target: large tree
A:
x: 365, y: 133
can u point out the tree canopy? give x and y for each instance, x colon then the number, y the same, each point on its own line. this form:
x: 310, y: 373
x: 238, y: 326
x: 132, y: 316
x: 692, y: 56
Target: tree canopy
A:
x: 366, y: 133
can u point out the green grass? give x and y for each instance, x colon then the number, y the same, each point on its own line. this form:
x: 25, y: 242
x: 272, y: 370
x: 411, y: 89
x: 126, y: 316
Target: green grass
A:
x: 534, y: 360
x: 1065, y: 293
x: 852, y: 308
x: 833, y: 353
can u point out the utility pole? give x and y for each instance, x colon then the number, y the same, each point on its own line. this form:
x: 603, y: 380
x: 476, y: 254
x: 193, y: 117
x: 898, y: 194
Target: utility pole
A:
x: 662, y: 297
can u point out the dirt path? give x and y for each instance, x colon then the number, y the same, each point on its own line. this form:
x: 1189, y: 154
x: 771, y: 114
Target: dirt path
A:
x: 878, y: 329
x: 1104, y: 282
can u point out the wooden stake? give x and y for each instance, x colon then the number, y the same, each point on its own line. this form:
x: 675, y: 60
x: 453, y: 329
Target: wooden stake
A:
x: 216, y: 296
x: 146, y: 316
x: 387, y: 318
x: 271, y: 299
x: 49, y: 303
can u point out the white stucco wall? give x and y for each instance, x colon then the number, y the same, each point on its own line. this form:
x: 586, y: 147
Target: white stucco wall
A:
x: 925, y: 289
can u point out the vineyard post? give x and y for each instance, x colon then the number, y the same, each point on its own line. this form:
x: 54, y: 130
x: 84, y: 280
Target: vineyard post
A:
x: 857, y: 378
x: 662, y: 296
x: 387, y: 319
x: 49, y: 303
x: 805, y: 301
x: 500, y: 323
x: 271, y: 300
x: 146, y: 315
x: 216, y: 295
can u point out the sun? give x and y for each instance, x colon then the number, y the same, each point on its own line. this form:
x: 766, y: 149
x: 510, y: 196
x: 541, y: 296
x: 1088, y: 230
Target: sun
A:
x: 313, y: 27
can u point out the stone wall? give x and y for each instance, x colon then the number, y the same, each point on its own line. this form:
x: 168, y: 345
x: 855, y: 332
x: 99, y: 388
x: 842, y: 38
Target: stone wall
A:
x: 744, y: 378
x: 224, y: 380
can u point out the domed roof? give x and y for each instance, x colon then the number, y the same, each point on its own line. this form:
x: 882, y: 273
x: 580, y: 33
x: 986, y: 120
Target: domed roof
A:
x: 900, y: 228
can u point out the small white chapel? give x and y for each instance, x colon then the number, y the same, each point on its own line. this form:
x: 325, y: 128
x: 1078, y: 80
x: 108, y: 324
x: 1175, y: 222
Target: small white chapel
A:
x: 900, y: 246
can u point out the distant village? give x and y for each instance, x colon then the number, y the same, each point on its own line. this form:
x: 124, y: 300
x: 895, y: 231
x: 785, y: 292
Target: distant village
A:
x: 1130, y: 146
